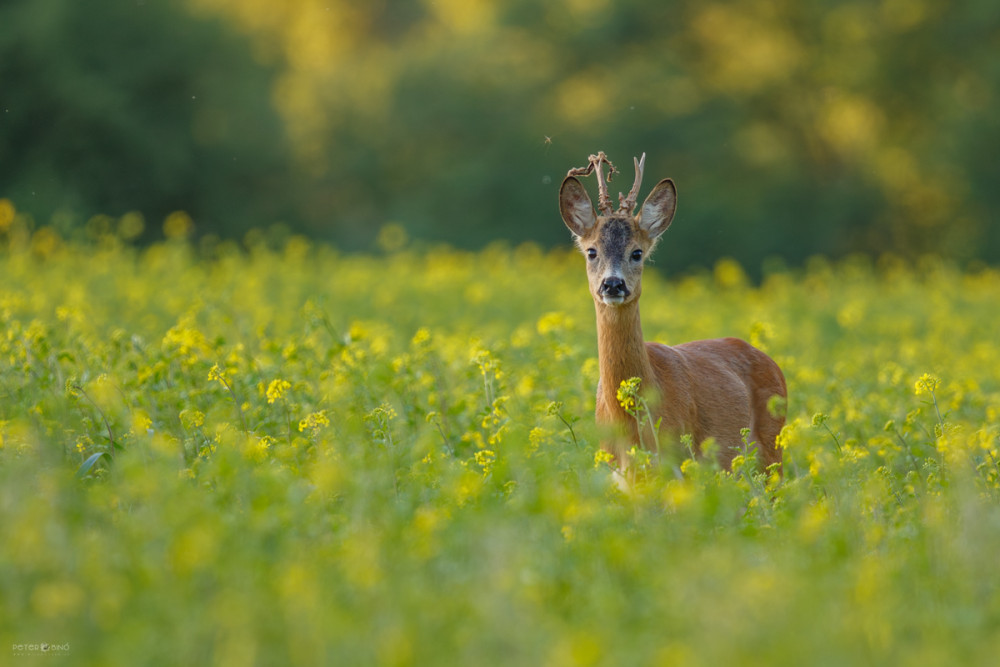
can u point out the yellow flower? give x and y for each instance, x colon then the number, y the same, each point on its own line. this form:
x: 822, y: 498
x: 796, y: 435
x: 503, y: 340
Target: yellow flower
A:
x: 485, y: 458
x: 627, y: 392
x: 926, y: 384
x: 487, y: 364
x: 314, y: 421
x: 141, y: 423
x: 382, y: 414
x: 786, y: 436
x: 257, y: 450
x: 603, y: 456
x: 186, y: 341
x: 277, y: 390
x: 537, y: 437
x: 420, y: 337
x: 217, y: 374
x: 192, y: 418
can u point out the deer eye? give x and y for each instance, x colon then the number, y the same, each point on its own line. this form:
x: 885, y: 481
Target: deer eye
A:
x: 636, y: 255
x: 591, y: 253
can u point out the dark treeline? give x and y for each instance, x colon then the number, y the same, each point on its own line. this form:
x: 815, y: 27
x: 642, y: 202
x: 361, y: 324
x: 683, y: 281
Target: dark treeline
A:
x: 791, y: 129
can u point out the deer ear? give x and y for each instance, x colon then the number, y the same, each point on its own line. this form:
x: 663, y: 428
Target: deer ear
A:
x: 575, y: 206
x: 658, y: 209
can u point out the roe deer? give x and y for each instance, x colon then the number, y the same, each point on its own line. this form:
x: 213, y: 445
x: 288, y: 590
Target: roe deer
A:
x: 706, y: 388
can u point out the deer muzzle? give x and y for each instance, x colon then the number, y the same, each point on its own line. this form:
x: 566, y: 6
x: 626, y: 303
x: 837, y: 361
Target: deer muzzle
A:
x: 613, y: 290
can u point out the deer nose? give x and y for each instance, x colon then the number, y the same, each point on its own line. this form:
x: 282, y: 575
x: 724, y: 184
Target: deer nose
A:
x: 614, y: 286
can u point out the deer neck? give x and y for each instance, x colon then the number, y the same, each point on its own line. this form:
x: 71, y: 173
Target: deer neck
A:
x: 621, y: 353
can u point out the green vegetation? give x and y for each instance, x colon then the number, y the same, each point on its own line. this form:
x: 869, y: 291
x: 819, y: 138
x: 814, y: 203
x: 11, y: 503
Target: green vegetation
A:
x: 297, y: 456
x: 220, y: 445
x: 110, y: 107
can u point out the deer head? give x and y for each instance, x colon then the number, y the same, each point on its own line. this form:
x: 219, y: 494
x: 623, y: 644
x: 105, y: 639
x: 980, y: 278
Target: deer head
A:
x: 615, y: 243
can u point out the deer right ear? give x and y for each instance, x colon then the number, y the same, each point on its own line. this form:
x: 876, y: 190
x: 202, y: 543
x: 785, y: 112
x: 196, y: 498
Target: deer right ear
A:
x: 575, y: 206
x: 658, y: 210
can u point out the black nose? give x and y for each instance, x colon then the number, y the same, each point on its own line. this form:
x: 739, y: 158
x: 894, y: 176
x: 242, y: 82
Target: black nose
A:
x: 614, y: 287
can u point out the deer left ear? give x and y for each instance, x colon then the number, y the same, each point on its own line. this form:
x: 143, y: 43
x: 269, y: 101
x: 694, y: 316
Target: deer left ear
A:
x: 576, y: 208
x: 658, y: 210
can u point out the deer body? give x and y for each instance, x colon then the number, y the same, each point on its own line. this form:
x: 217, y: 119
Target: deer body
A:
x: 707, y: 388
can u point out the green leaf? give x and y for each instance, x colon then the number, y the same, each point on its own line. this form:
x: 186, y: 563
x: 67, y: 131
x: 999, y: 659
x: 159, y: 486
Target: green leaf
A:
x: 88, y: 464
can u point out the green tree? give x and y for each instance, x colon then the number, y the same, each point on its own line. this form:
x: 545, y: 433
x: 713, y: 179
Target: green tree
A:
x: 107, y: 107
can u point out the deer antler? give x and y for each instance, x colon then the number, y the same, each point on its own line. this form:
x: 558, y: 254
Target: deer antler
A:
x: 603, y: 200
x: 627, y: 204
x: 594, y: 163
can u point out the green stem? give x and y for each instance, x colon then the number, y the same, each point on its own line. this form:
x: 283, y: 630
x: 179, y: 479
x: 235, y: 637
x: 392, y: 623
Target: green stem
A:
x: 833, y: 435
x: 570, y: 427
x: 104, y: 418
x: 236, y: 402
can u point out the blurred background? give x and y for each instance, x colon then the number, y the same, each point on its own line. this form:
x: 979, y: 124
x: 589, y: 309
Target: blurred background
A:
x: 791, y: 128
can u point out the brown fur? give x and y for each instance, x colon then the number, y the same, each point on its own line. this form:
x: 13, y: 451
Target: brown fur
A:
x: 706, y: 388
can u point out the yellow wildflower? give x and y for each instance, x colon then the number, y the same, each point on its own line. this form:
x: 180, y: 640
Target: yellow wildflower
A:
x: 258, y: 450
x: 277, y: 390
x: 314, y: 421
x: 602, y: 456
x: 926, y: 384
x: 422, y: 336
x: 485, y: 458
x: 217, y: 374
x: 627, y: 393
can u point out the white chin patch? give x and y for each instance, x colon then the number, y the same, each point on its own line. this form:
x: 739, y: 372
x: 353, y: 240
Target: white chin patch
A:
x: 613, y: 300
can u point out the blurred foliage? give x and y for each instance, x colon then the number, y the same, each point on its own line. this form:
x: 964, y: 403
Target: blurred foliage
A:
x: 791, y: 128
x: 108, y: 107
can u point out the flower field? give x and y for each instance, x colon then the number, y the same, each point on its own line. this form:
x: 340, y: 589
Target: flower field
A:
x: 295, y: 456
